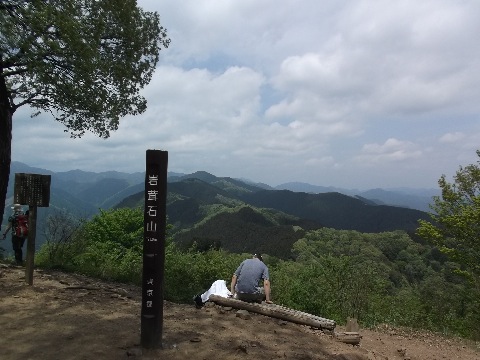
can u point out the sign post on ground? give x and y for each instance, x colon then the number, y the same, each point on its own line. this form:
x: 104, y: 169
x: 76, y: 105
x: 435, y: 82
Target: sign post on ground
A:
x: 155, y: 222
x: 32, y: 190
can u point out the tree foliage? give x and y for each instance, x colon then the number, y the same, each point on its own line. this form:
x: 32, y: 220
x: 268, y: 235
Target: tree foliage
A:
x: 455, y: 225
x: 109, y: 245
x: 83, y: 61
x: 60, y: 230
x: 377, y: 278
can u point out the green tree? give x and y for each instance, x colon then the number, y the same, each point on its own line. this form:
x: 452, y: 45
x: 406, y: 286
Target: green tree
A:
x: 83, y: 61
x: 110, y: 245
x: 455, y: 225
x: 60, y: 230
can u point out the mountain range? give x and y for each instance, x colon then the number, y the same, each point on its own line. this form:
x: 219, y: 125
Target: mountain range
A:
x: 236, y: 214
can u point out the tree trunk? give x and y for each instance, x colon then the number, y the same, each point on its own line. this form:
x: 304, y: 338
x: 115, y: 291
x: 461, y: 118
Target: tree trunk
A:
x: 6, y: 113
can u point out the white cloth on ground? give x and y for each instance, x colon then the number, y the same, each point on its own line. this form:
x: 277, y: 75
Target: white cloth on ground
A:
x: 219, y: 288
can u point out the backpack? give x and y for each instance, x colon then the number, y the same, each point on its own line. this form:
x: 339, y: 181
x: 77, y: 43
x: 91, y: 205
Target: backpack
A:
x: 21, y: 225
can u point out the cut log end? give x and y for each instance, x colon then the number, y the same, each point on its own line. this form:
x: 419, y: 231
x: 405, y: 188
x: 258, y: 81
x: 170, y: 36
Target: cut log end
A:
x: 352, y: 338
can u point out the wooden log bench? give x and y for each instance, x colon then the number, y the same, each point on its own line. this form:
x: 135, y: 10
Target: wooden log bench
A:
x: 277, y: 311
x: 287, y: 314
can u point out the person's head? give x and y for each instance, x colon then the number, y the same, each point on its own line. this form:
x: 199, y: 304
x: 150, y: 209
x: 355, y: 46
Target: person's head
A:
x: 17, y: 207
x: 258, y: 256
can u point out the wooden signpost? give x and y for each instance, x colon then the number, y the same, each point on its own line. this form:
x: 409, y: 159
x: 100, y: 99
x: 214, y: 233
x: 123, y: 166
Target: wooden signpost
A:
x: 32, y: 190
x: 155, y: 222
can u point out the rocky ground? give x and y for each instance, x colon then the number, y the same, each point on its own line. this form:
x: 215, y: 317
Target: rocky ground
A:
x: 65, y: 316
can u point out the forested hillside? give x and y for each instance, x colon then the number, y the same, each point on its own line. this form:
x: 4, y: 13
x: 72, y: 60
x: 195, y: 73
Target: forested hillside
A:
x: 227, y: 213
x: 338, y: 211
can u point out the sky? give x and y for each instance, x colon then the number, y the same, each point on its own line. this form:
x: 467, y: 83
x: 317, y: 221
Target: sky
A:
x: 357, y: 94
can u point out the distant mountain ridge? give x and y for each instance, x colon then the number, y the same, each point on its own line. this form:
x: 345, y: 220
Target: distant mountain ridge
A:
x: 223, y: 210
x: 79, y: 182
x: 315, y: 189
x: 418, y: 199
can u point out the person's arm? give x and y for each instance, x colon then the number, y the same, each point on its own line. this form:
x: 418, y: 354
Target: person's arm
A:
x: 232, y: 286
x: 266, y: 286
x: 236, y: 274
x: 9, y: 226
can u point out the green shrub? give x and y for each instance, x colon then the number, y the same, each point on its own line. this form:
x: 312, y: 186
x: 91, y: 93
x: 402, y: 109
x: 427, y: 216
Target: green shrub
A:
x: 192, y: 272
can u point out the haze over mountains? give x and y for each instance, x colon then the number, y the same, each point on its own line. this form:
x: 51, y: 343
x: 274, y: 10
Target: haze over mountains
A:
x: 105, y: 189
x: 204, y: 207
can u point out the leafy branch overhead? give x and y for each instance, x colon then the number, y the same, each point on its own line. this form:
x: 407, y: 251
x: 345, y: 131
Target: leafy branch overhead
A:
x: 84, y: 61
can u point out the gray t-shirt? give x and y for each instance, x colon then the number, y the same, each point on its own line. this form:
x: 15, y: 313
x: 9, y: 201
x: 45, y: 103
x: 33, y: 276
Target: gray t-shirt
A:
x: 249, y: 273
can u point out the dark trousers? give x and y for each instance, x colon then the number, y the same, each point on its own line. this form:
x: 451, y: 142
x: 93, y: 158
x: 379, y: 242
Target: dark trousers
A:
x: 17, y: 244
x: 257, y: 297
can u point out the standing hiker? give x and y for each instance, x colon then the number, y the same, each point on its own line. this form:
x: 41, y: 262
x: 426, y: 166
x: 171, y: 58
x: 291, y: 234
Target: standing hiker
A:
x: 18, y: 223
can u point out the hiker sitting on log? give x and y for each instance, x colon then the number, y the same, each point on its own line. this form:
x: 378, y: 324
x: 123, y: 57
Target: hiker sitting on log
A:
x: 245, y: 284
x: 245, y: 281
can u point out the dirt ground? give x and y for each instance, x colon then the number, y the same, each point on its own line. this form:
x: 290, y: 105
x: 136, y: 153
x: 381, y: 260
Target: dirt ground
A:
x: 64, y: 316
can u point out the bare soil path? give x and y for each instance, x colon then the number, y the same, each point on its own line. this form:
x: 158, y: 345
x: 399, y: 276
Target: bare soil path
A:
x: 66, y: 316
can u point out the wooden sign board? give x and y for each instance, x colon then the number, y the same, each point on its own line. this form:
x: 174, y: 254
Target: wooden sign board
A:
x: 155, y: 221
x: 32, y: 189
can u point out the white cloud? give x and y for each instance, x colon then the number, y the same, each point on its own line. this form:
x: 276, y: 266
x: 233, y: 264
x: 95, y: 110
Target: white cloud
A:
x: 452, y: 137
x: 391, y: 150
x: 296, y: 91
